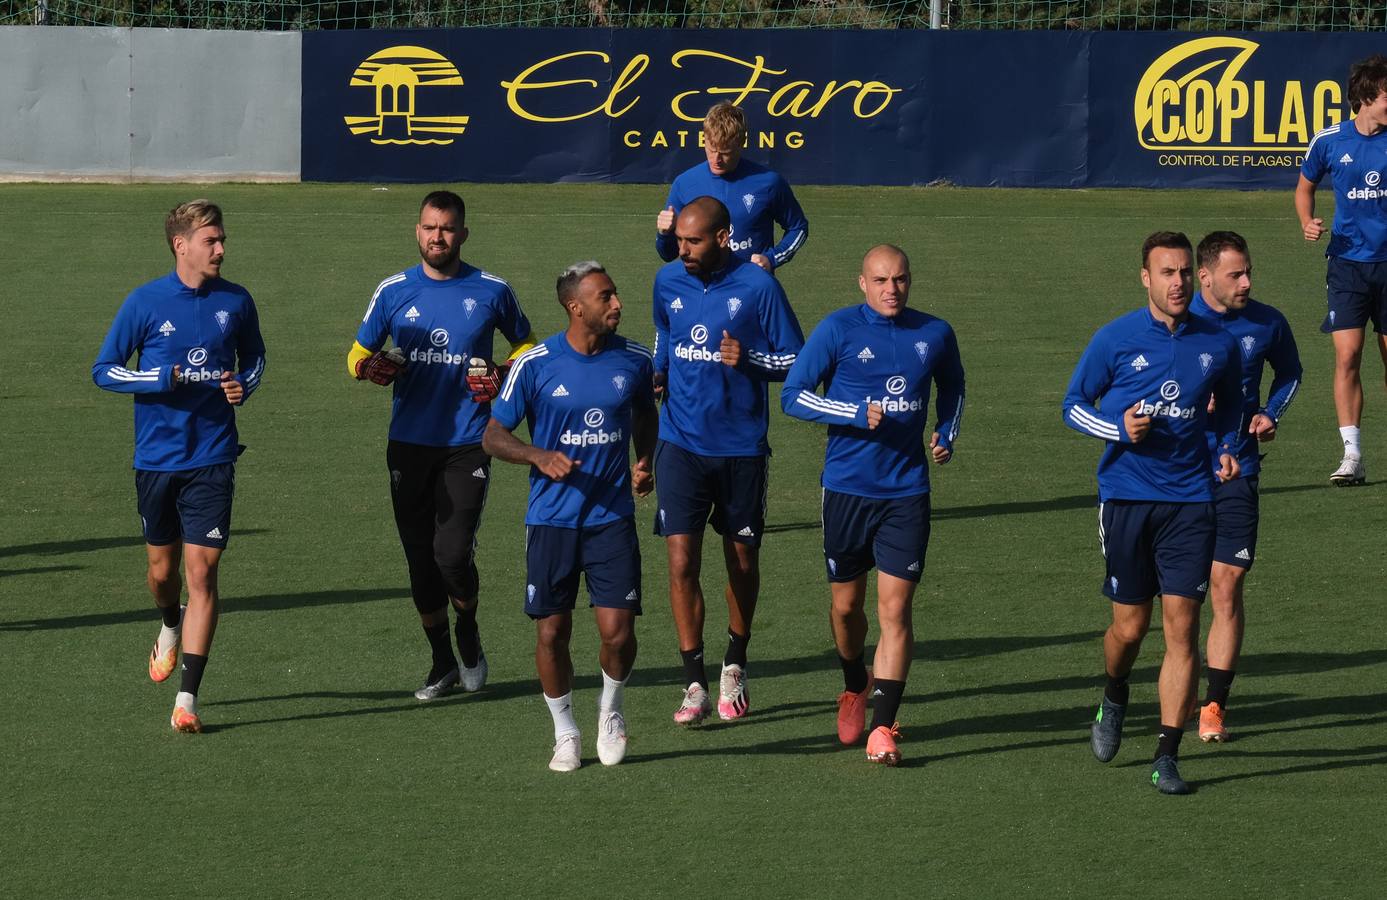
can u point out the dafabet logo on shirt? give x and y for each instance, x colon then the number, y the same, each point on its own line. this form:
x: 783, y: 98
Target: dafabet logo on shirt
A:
x: 1206, y: 103
x: 400, y: 78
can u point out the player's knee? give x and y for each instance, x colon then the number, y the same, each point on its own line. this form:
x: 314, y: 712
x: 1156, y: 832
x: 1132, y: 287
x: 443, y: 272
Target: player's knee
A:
x: 552, y: 633
x: 459, y: 574
x: 162, y: 576
x: 1129, y: 632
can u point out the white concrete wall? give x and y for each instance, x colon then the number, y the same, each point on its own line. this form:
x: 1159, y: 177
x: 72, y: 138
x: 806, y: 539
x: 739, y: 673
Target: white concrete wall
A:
x: 148, y: 104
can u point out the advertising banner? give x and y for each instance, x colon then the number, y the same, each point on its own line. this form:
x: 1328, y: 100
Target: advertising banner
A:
x: 1216, y: 110
x: 1017, y: 109
x: 860, y: 107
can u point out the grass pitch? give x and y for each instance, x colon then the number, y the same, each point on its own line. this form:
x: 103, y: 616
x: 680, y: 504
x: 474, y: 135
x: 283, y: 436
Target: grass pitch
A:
x: 321, y: 776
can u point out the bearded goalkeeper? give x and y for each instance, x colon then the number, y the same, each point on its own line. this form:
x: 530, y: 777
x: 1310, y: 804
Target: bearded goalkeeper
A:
x: 442, y: 316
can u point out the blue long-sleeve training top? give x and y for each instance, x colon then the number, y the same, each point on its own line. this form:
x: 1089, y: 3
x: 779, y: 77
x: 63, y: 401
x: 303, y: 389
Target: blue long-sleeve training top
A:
x: 758, y: 199
x: 439, y: 325
x: 1137, y: 358
x: 1263, y: 336
x: 713, y: 409
x: 862, y: 357
x: 208, y: 331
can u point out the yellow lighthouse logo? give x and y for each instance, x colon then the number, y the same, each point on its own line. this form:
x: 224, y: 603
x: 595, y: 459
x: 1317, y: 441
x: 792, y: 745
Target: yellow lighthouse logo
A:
x: 397, y: 75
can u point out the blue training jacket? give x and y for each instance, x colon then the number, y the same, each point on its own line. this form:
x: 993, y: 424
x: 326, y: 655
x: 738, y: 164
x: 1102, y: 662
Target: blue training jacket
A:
x: 215, y: 329
x: 1263, y: 336
x: 581, y: 406
x: 757, y: 198
x: 1137, y: 358
x: 1355, y: 162
x: 712, y: 409
x: 862, y: 357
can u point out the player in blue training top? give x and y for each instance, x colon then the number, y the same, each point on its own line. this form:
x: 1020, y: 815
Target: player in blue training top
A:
x: 200, y: 357
x: 586, y: 395
x: 1354, y: 156
x: 442, y: 316
x: 1143, y: 386
x: 723, y: 331
x: 876, y: 362
x: 1264, y: 336
x: 757, y: 198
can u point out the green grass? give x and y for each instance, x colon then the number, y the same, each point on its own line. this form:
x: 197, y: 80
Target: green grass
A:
x: 321, y: 776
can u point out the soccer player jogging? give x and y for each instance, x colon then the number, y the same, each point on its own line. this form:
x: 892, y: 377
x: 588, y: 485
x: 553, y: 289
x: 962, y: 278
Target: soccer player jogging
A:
x: 757, y: 198
x: 1143, y: 387
x: 723, y: 331
x: 1354, y: 156
x: 876, y: 362
x: 200, y: 356
x: 442, y: 315
x: 586, y: 395
x: 1263, y: 336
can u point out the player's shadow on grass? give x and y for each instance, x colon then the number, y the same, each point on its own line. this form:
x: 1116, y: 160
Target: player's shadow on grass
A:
x: 1075, y: 501
x: 229, y: 606
x: 40, y: 570
x: 86, y: 545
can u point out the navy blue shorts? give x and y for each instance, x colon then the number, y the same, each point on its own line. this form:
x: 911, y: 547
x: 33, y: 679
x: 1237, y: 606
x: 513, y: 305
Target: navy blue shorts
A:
x: 729, y: 491
x: 1235, y: 506
x: 862, y: 532
x: 1357, y: 294
x: 608, y: 555
x: 1156, y: 548
x: 193, y: 506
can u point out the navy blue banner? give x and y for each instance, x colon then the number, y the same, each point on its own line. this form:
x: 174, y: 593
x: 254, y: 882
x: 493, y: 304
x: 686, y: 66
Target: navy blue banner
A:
x: 1026, y: 109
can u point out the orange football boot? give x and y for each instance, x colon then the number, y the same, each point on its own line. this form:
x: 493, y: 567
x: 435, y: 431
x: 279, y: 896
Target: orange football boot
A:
x: 881, y: 745
x: 852, y: 714
x: 1211, y: 724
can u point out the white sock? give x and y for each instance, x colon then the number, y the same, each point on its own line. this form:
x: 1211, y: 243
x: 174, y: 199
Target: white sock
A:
x: 187, y: 701
x: 611, y: 693
x: 561, y: 708
x: 168, y: 638
x: 1350, y: 435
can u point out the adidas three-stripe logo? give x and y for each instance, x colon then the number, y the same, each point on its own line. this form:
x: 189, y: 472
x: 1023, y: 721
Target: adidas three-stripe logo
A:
x: 215, y: 534
x: 1243, y: 554
x: 560, y: 391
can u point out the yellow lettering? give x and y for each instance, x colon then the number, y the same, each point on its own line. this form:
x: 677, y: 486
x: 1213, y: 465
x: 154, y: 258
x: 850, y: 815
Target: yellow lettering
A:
x: 1199, y: 111
x: 659, y: 140
x: 793, y: 107
x: 1292, y: 116
x: 1164, y: 129
x: 1327, y: 104
x: 867, y: 90
x: 629, y: 136
x: 766, y: 140
x: 634, y: 69
x: 794, y: 139
x: 1259, y: 112
x: 520, y: 83
x: 757, y: 67
x: 1232, y: 104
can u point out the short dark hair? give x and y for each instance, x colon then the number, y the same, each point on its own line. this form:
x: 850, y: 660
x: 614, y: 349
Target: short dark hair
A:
x: 1366, y: 79
x: 1172, y: 240
x: 445, y: 201
x: 713, y: 208
x: 567, y: 285
x: 1215, y: 242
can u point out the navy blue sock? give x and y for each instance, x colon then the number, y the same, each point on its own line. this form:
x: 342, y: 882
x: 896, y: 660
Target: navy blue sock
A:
x: 193, y: 667
x: 1117, y: 690
x: 1220, y: 680
x: 1168, y: 741
x: 886, y: 702
x: 171, y: 615
x: 736, y: 649
x: 694, y: 673
x: 854, y: 673
x: 443, y: 659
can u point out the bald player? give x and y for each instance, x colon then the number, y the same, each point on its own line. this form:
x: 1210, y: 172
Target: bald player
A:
x: 876, y: 362
x: 723, y: 331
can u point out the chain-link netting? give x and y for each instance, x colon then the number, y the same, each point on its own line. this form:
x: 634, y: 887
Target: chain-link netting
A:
x: 1127, y: 15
